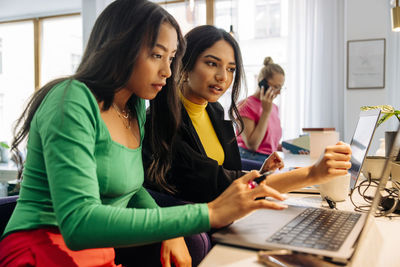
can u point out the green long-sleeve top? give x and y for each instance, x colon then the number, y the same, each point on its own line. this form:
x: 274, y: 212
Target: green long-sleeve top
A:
x: 78, y: 179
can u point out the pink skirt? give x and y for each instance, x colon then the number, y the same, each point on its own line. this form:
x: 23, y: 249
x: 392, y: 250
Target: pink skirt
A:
x: 45, y: 247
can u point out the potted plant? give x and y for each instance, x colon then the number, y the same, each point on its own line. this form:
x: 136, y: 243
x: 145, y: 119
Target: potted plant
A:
x: 387, y: 110
x: 3, y: 152
x: 2, y: 144
x: 374, y: 164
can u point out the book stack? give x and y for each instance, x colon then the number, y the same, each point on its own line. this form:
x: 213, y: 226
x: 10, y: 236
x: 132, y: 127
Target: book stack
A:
x: 297, y: 145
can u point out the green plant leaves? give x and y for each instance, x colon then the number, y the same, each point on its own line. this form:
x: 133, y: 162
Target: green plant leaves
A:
x: 2, y: 144
x: 388, y: 111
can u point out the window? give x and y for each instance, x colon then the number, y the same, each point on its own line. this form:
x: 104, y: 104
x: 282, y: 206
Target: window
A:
x: 225, y: 14
x: 1, y: 57
x: 267, y: 18
x: 75, y: 60
x: 61, y: 48
x: 189, y: 14
x: 17, y: 77
x: 2, y: 115
x: 267, y: 30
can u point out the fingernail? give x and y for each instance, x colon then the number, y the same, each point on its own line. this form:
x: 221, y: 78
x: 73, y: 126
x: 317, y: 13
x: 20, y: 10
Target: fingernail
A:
x: 285, y: 196
x: 283, y: 206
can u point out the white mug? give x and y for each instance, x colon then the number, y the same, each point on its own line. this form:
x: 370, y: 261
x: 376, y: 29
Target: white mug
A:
x: 337, y: 189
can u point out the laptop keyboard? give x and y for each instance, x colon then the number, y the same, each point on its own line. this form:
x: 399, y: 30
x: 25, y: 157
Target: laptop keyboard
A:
x: 317, y: 228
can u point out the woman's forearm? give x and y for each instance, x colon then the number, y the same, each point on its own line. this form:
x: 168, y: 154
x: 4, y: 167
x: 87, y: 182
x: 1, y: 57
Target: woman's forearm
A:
x: 257, y: 135
x: 334, y: 162
x: 288, y: 181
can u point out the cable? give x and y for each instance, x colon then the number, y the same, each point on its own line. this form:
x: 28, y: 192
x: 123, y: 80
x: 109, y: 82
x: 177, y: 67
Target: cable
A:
x: 388, y: 204
x: 368, y: 199
x: 331, y: 203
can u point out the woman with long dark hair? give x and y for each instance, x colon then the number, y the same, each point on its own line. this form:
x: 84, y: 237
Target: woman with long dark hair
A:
x: 81, y: 193
x: 190, y: 163
x: 205, y: 153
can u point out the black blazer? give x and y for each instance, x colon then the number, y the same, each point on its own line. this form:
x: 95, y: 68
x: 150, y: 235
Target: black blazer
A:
x: 196, y: 177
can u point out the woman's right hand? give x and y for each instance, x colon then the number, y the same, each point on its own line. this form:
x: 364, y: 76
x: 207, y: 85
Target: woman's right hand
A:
x: 266, y: 99
x: 238, y: 200
x: 335, y: 161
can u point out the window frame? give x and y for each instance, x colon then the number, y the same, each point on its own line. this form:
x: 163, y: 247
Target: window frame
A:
x: 37, y: 34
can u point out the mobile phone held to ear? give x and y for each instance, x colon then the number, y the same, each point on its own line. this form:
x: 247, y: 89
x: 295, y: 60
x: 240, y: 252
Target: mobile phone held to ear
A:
x: 264, y: 83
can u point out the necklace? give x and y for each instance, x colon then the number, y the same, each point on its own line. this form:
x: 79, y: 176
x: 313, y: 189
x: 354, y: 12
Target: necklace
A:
x: 121, y: 113
x: 125, y: 118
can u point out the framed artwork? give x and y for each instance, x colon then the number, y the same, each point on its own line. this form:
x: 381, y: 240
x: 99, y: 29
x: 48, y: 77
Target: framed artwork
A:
x: 366, y: 63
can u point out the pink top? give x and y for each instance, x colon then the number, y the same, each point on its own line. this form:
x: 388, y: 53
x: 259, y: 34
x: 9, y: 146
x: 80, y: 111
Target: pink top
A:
x: 251, y: 108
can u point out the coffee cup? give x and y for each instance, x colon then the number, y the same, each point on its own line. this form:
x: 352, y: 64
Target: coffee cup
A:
x: 320, y: 138
x: 337, y: 189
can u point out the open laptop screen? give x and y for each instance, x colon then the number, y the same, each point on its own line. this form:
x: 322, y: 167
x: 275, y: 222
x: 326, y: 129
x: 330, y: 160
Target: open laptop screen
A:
x: 361, y: 141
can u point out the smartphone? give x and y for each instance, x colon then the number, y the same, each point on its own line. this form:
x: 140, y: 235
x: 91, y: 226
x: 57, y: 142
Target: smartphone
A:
x: 264, y: 83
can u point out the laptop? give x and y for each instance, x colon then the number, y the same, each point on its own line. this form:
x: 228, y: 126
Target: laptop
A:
x: 361, y: 141
x: 333, y: 235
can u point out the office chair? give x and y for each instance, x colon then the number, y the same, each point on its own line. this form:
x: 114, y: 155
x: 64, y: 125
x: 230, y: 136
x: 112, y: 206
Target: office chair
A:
x: 7, y: 205
x: 249, y: 165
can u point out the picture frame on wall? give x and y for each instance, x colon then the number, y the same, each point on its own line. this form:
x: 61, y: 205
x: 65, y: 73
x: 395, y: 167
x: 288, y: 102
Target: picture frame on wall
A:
x: 366, y: 63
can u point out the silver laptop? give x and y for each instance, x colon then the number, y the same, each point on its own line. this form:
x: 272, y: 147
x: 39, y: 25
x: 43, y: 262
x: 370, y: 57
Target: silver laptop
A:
x: 361, y: 141
x: 332, y: 235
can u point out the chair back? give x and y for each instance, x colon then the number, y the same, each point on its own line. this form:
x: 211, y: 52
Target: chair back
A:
x: 7, y: 205
x: 249, y: 164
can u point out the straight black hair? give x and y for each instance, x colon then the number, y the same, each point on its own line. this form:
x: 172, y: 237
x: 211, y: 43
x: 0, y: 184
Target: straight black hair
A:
x: 120, y: 33
x: 197, y: 41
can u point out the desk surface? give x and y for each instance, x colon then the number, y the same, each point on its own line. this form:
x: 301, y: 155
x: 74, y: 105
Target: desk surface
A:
x: 296, y: 160
x: 379, y: 248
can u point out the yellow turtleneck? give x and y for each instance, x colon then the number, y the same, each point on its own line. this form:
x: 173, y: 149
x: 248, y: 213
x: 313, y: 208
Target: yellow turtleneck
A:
x: 205, y: 130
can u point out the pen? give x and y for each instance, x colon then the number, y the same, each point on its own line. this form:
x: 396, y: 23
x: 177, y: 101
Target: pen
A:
x: 258, y: 180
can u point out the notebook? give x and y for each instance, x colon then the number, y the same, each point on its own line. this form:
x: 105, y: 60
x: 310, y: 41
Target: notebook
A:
x: 332, y: 235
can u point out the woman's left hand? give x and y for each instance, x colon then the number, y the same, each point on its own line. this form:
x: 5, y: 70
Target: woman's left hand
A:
x: 273, y: 162
x: 175, y: 250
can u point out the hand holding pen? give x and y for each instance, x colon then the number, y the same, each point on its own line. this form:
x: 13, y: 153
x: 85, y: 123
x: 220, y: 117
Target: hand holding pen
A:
x: 238, y: 200
x: 258, y: 180
x: 253, y: 184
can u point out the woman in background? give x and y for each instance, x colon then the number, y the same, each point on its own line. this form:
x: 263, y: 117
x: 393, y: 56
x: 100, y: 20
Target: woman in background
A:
x: 82, y: 194
x: 205, y: 156
x: 262, y: 127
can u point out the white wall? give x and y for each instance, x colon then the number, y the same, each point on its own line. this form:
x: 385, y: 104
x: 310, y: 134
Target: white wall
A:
x: 365, y: 19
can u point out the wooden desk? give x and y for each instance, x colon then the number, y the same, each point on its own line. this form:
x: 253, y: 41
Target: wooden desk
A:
x: 379, y: 248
